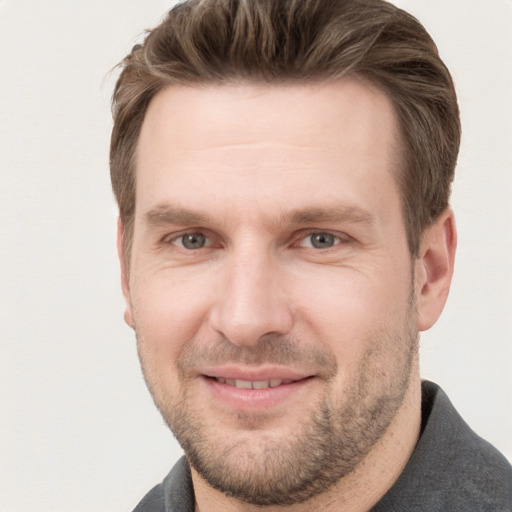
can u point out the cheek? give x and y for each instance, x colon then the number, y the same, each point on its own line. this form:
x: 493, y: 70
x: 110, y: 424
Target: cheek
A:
x: 168, y: 313
x: 347, y: 309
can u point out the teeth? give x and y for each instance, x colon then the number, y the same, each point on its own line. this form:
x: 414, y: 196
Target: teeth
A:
x: 244, y: 384
x: 260, y: 384
x: 256, y: 384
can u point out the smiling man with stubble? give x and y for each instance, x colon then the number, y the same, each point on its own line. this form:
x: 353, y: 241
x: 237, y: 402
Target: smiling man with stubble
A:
x: 283, y: 173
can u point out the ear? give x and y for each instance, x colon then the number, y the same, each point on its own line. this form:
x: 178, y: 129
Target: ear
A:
x: 125, y: 282
x: 434, y: 269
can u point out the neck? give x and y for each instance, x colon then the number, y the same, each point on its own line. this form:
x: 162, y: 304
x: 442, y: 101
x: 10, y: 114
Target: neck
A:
x: 359, y: 490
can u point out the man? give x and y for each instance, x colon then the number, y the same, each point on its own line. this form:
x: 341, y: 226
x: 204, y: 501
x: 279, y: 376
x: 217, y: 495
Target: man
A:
x: 283, y: 172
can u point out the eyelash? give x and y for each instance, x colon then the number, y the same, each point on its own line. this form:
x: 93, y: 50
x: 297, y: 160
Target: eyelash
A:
x: 174, y: 239
x: 336, y: 239
x: 301, y: 241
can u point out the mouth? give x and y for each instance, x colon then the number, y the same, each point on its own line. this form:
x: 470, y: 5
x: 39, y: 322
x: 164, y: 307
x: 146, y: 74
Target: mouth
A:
x: 256, y: 390
x: 253, y: 384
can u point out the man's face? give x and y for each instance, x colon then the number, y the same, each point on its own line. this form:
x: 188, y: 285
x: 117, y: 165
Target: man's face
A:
x: 270, y: 284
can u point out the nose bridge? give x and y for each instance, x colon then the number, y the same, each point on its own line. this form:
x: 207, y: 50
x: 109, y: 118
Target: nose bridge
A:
x: 252, y: 301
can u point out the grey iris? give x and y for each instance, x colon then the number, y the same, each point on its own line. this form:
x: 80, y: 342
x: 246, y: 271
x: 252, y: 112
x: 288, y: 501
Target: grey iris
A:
x: 322, y: 240
x: 193, y: 241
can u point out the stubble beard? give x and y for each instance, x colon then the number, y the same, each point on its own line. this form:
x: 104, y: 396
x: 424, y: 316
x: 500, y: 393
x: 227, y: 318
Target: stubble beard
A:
x: 325, y: 445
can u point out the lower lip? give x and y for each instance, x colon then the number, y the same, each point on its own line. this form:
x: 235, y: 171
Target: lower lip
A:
x: 254, y: 400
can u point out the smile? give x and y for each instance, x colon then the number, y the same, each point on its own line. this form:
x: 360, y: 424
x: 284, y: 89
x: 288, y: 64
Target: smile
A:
x: 253, y: 384
x: 256, y: 390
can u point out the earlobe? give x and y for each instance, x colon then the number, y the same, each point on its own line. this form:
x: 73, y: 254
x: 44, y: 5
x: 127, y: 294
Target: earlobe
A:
x: 434, y: 269
x: 125, y: 283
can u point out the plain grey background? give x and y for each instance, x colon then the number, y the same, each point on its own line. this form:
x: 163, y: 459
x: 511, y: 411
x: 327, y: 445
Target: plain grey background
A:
x: 78, y: 430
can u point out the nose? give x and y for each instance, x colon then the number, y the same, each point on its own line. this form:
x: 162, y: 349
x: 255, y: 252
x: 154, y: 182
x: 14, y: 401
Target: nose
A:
x: 252, y: 301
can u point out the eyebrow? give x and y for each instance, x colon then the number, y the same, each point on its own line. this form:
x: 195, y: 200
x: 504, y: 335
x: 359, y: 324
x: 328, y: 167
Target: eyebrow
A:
x: 167, y: 214
x: 352, y: 214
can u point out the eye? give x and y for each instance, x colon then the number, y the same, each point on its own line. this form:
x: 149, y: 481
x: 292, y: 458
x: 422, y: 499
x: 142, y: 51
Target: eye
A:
x: 191, y: 241
x: 320, y: 240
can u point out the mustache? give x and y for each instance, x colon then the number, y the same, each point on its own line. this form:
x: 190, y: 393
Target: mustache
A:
x: 270, y: 350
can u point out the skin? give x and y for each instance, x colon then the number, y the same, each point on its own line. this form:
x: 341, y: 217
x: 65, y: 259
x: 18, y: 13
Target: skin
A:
x: 260, y: 174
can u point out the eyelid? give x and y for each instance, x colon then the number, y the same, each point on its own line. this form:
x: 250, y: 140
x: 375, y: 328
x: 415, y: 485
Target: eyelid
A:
x: 301, y: 236
x: 171, y: 238
x: 207, y: 241
x: 340, y: 237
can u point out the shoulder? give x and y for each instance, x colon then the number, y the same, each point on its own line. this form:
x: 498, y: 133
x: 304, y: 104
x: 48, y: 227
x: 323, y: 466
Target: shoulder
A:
x: 153, y: 501
x: 476, y: 473
x: 452, y: 468
x: 174, y: 494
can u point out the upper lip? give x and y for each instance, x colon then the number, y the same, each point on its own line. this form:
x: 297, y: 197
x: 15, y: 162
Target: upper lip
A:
x: 254, y: 374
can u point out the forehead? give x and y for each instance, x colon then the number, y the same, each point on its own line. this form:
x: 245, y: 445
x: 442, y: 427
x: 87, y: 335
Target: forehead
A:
x: 256, y: 143
x: 282, y: 113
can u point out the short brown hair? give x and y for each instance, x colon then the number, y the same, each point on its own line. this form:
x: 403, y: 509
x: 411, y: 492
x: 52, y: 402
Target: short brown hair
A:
x: 279, y: 41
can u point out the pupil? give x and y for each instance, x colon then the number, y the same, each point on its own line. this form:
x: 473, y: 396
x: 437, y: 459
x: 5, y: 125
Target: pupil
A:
x: 322, y: 240
x: 193, y: 241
